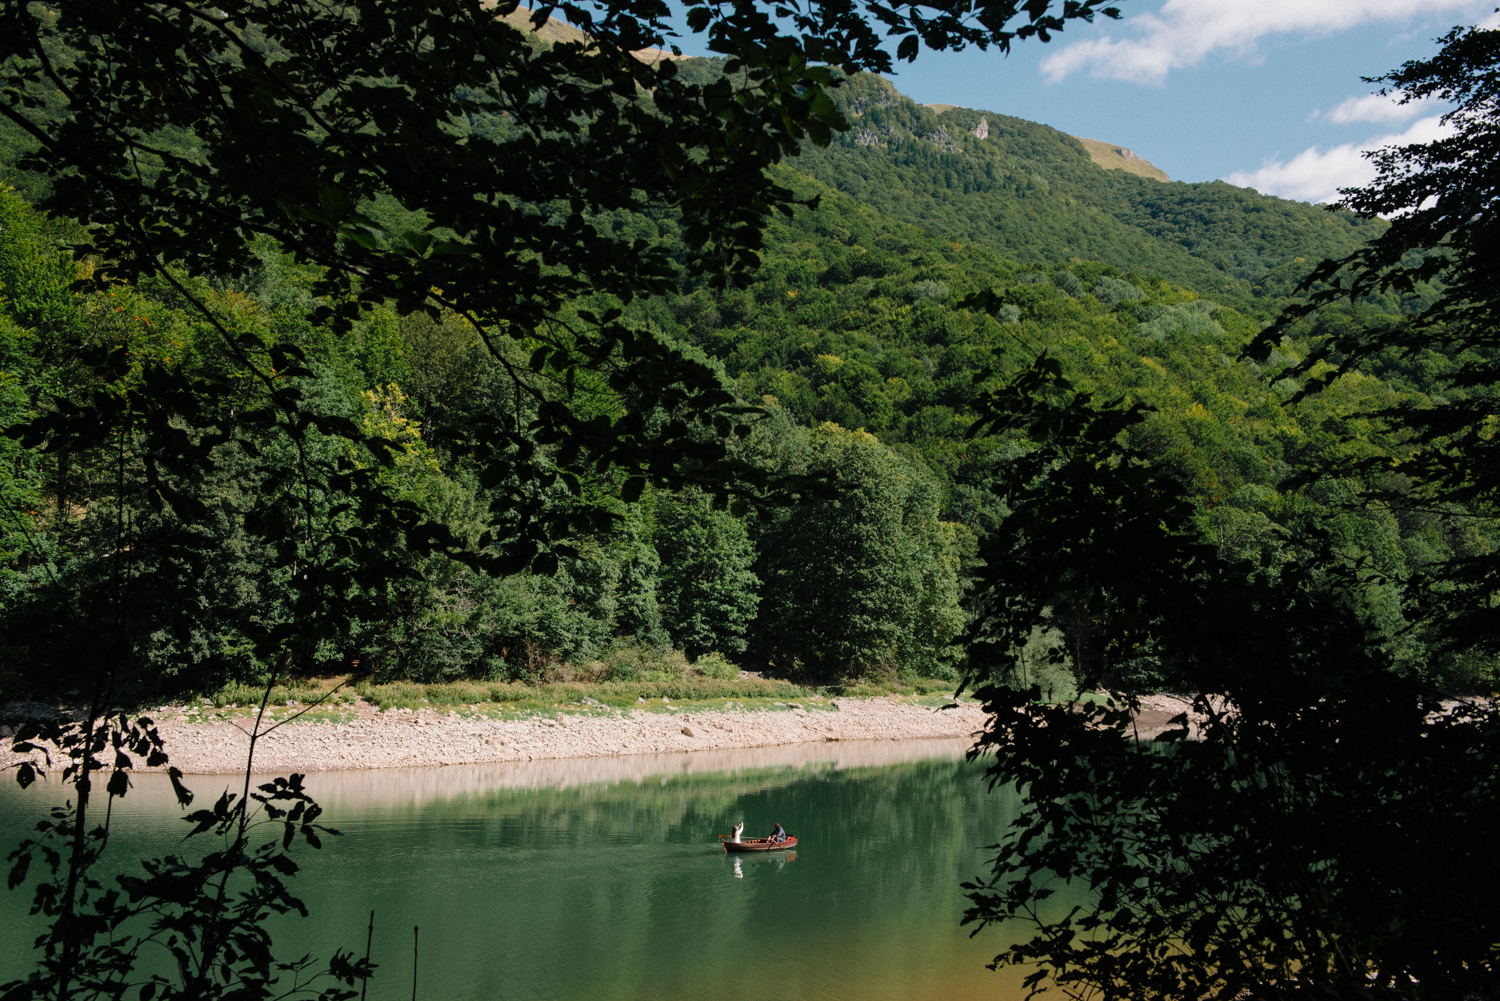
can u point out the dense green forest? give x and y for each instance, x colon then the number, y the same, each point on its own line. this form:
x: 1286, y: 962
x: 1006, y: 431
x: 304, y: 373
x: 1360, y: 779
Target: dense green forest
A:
x: 854, y: 343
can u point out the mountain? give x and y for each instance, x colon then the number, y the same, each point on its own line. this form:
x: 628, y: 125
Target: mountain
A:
x: 1107, y: 155
x: 1034, y: 193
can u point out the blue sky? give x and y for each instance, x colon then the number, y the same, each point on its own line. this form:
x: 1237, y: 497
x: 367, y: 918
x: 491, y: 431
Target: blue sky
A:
x: 1264, y: 93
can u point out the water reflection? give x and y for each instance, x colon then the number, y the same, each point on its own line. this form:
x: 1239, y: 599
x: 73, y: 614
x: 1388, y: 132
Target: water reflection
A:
x: 602, y: 878
x: 776, y: 860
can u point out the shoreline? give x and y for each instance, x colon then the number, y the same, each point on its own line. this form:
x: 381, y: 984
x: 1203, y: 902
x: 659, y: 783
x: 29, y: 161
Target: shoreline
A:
x: 427, y: 737
x: 368, y: 738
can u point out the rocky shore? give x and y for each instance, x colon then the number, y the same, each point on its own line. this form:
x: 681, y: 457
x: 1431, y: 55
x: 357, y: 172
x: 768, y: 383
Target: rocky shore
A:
x: 404, y: 738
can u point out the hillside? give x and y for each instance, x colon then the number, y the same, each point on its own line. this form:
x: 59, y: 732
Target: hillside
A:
x: 856, y: 318
x: 854, y: 335
x: 1035, y: 194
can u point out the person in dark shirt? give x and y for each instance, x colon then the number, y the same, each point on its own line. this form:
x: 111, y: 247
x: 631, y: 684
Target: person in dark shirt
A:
x: 778, y: 834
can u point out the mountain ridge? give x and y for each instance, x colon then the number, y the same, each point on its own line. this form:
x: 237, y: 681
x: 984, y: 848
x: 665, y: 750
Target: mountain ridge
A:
x: 1106, y: 154
x: 1034, y: 193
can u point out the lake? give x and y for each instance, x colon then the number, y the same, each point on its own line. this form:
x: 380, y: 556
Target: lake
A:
x: 602, y: 878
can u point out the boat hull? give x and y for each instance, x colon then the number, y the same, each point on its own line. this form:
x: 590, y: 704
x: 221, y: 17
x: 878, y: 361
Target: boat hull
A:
x: 759, y: 845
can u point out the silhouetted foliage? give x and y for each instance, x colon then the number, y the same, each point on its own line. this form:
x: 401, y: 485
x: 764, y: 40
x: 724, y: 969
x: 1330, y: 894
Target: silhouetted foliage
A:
x: 1283, y: 836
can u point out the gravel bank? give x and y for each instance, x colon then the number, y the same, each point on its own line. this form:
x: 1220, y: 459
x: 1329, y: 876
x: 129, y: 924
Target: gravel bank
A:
x: 403, y: 738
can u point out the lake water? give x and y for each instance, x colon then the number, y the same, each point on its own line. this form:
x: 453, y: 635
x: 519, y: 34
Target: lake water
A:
x: 602, y: 879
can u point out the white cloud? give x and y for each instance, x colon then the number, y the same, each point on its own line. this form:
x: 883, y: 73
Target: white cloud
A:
x: 1316, y: 174
x: 1377, y: 109
x: 1184, y: 32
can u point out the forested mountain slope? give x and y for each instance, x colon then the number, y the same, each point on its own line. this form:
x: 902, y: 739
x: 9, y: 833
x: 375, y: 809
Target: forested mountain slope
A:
x: 856, y: 318
x: 1033, y: 193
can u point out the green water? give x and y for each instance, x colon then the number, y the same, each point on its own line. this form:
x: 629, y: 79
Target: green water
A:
x: 603, y: 879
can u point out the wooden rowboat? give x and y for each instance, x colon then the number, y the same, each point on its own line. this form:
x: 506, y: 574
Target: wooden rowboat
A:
x: 757, y: 844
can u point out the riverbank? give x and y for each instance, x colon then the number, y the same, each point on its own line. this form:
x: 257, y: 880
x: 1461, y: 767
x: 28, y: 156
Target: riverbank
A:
x: 366, y: 737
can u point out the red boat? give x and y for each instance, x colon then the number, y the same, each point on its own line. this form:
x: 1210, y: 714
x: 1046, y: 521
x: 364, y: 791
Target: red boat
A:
x: 757, y: 844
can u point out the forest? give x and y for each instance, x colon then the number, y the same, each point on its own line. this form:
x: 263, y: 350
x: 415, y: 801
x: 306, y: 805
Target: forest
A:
x: 853, y: 346
x: 402, y: 341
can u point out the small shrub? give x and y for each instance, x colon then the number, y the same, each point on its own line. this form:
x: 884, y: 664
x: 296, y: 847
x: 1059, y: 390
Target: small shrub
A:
x: 895, y: 684
x: 703, y: 688
x: 510, y: 691
x: 394, y: 695
x: 717, y: 666
x: 643, y: 663
x: 457, y: 693
x: 863, y: 689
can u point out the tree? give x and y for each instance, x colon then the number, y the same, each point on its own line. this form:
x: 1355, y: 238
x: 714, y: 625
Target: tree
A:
x: 187, y: 130
x: 1279, y: 840
x: 867, y: 583
x: 708, y: 593
x: 1436, y: 257
x: 431, y: 157
x: 1276, y: 841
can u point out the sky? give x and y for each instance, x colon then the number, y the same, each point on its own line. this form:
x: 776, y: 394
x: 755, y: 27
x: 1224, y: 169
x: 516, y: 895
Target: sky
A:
x: 1262, y: 93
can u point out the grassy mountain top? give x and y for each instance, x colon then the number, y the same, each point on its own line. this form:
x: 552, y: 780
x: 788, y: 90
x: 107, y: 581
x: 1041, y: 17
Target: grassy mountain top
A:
x: 1112, y: 157
x: 561, y: 31
x: 553, y: 31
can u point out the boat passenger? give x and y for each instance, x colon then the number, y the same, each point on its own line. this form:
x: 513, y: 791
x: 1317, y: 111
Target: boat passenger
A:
x: 778, y: 834
x: 738, y: 830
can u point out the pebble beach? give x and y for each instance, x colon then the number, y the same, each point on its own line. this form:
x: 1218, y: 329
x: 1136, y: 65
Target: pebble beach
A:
x: 415, y: 737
